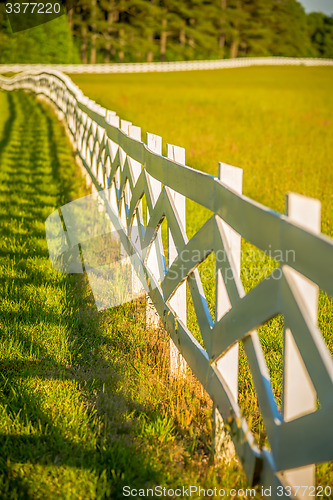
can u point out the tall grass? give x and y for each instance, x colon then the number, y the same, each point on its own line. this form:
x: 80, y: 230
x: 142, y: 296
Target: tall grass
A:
x: 275, y: 123
x: 86, y: 402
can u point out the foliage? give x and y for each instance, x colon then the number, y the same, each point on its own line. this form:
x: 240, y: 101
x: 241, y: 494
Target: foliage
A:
x: 147, y: 30
x: 168, y: 30
x: 320, y: 29
x: 51, y: 42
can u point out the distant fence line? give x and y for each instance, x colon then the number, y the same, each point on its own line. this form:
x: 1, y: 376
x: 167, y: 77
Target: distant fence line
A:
x: 300, y: 433
x: 169, y: 66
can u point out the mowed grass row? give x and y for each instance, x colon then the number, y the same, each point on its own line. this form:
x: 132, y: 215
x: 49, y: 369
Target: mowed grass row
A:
x: 86, y: 403
x: 275, y: 123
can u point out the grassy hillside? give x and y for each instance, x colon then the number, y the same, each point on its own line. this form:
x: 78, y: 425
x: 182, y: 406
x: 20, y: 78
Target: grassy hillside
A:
x: 86, y: 403
x: 275, y: 123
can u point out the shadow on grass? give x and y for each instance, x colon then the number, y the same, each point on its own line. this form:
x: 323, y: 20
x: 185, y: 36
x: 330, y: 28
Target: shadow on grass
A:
x: 27, y: 325
x: 9, y: 124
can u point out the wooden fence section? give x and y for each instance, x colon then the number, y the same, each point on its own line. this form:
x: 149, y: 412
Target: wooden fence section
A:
x: 301, y: 433
x: 240, y: 62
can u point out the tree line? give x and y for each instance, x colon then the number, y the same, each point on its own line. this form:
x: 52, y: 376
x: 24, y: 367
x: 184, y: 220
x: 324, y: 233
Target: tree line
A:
x: 170, y: 30
x: 159, y: 30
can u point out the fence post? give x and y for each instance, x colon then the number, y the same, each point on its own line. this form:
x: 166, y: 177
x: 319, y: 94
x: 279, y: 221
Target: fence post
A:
x: 137, y: 287
x: 124, y: 126
x: 223, y: 447
x: 178, y: 301
x: 114, y: 120
x: 299, y: 395
x: 154, y: 143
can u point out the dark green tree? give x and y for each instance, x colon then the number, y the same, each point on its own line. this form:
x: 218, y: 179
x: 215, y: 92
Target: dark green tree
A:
x: 165, y: 30
x: 320, y: 29
x: 290, y: 30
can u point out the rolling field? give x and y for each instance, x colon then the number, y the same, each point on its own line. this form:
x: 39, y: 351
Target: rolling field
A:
x: 86, y: 403
x: 275, y: 123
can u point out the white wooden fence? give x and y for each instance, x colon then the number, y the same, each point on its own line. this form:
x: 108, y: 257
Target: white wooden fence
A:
x: 301, y: 433
x: 240, y: 62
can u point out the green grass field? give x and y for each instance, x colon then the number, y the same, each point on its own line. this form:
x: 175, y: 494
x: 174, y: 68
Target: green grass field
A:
x: 87, y: 405
x: 275, y: 123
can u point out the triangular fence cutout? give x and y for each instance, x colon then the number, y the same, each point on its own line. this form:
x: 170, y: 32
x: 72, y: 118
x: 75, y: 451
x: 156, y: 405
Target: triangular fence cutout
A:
x: 325, y: 318
x: 257, y: 265
x: 271, y: 335
x: 192, y: 320
x: 164, y: 236
x: 248, y: 401
x: 207, y: 273
x: 145, y: 215
x: 202, y: 214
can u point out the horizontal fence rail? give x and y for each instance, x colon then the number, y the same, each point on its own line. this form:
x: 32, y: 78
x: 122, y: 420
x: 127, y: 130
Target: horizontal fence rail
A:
x: 119, y: 163
x: 240, y: 62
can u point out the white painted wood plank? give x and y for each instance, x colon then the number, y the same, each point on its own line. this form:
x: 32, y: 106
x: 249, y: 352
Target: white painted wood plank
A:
x: 154, y: 143
x: 137, y: 287
x: 299, y: 396
x: 124, y: 125
x: 178, y: 301
x: 228, y: 364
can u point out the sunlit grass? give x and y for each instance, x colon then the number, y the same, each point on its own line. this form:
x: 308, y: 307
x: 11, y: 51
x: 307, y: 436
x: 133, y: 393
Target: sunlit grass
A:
x: 275, y: 123
x: 86, y: 402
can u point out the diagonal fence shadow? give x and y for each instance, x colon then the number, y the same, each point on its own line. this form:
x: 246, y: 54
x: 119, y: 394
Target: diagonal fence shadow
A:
x: 31, y: 183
